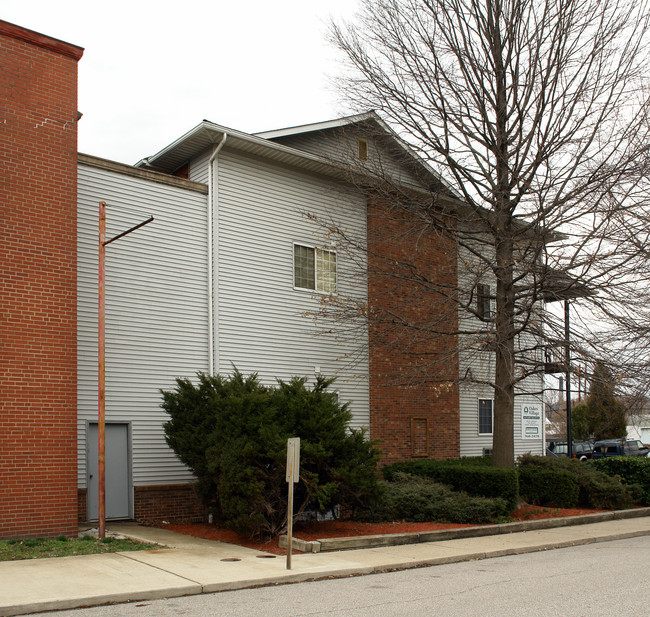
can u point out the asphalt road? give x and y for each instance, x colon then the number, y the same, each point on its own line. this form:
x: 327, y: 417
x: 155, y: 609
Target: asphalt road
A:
x: 596, y: 580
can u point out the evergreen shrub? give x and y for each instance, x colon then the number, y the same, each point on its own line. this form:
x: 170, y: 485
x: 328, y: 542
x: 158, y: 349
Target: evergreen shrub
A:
x: 596, y: 489
x: 472, y: 475
x: 232, y: 433
x: 632, y: 470
x: 420, y: 499
x: 556, y: 488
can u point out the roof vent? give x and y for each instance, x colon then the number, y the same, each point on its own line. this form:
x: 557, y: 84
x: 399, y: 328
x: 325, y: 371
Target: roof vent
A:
x: 362, y: 149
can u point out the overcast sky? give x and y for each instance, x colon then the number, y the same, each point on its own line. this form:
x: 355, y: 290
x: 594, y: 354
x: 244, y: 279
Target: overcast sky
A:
x: 153, y: 70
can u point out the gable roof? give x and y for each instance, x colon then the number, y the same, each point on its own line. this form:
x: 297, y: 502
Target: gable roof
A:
x: 370, y: 123
x: 208, y: 134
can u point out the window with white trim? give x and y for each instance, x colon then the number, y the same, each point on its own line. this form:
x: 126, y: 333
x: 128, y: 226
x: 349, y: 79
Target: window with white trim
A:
x: 314, y: 268
x: 485, y: 416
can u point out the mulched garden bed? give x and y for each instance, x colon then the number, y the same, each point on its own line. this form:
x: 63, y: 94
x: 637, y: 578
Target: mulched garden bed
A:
x: 313, y: 530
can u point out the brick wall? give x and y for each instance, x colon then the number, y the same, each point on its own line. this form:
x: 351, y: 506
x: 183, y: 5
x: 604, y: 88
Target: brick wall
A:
x: 38, y: 433
x: 82, y: 504
x: 174, y: 503
x: 414, y: 403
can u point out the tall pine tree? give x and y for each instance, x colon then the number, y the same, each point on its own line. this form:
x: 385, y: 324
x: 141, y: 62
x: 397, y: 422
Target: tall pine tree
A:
x: 605, y: 413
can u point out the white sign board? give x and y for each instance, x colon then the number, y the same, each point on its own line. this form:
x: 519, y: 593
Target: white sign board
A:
x: 531, y: 421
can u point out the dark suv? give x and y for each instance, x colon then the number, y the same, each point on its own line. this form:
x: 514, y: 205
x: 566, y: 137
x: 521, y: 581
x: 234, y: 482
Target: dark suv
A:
x: 580, y: 449
x: 619, y: 447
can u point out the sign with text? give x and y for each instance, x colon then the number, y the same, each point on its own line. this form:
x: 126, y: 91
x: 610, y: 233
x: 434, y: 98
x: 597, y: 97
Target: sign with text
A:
x: 531, y: 421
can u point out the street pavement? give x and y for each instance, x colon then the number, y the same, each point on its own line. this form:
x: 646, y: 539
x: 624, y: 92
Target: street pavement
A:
x: 190, y: 566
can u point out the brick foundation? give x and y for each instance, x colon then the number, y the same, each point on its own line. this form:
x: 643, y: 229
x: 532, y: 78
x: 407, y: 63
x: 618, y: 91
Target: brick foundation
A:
x: 175, y: 503
x: 414, y: 402
x: 38, y: 285
x: 82, y: 504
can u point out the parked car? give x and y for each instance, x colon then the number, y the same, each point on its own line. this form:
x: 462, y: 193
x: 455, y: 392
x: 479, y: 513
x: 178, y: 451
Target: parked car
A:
x: 581, y: 450
x: 619, y: 447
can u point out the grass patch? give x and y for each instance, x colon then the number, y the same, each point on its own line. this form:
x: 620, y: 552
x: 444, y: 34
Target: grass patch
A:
x: 62, y: 546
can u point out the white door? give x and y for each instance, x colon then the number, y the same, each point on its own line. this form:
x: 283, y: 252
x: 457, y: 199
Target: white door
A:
x: 118, y: 472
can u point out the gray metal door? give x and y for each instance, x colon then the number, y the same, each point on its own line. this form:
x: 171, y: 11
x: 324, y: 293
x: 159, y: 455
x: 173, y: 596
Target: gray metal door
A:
x: 118, y: 472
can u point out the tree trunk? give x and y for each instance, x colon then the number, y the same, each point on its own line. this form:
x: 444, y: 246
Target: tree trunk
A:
x: 503, y: 443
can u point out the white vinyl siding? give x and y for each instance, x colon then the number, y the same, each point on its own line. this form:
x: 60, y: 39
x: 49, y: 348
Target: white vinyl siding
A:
x: 199, y: 171
x: 342, y: 144
x: 480, y: 364
x: 262, y: 324
x: 156, y: 309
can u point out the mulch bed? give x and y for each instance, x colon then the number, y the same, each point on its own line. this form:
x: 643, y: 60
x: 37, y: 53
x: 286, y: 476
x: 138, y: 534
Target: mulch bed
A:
x: 314, y: 530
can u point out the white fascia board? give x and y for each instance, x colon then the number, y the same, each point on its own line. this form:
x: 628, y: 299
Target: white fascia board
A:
x: 206, y: 133
x: 318, y: 126
x: 148, y: 161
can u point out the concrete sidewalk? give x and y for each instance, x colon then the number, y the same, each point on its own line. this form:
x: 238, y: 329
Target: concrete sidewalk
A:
x: 191, y: 566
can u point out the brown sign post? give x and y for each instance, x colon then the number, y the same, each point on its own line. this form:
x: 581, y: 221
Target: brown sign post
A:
x: 293, y: 475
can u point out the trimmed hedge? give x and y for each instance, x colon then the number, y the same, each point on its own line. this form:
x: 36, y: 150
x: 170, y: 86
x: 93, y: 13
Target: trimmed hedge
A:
x: 556, y: 488
x: 472, y: 475
x: 596, y: 489
x: 418, y: 499
x: 632, y: 470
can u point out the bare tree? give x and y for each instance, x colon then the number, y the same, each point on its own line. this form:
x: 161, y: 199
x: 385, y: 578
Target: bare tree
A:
x: 533, y: 112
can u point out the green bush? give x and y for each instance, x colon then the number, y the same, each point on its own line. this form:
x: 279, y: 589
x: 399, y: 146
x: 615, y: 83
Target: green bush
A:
x: 418, y: 499
x: 193, y: 412
x: 632, y: 470
x: 472, y: 475
x: 596, y: 489
x: 232, y: 433
x: 556, y: 488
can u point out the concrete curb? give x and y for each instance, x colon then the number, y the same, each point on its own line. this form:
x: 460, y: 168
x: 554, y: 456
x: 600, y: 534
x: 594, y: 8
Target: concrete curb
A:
x: 397, y: 539
x: 99, y: 600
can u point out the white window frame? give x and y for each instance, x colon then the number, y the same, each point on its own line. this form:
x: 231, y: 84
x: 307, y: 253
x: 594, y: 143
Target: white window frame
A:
x: 315, y: 249
x: 478, y: 415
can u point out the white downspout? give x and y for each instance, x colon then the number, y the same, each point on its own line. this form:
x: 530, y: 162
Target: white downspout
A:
x: 212, y: 205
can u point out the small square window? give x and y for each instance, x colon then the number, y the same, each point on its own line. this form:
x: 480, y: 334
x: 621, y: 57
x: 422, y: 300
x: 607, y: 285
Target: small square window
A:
x: 314, y: 268
x: 485, y: 416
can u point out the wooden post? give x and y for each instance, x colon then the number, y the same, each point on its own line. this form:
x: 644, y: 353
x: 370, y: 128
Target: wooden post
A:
x: 293, y: 474
x: 101, y: 364
x: 101, y: 415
